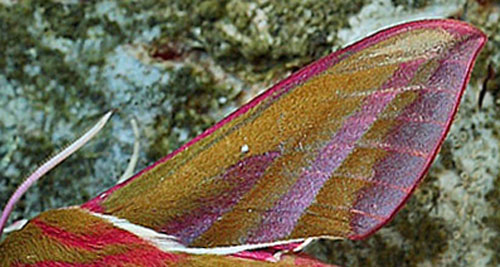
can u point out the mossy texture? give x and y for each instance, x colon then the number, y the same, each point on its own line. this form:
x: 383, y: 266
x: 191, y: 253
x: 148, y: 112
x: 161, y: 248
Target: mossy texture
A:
x: 179, y: 66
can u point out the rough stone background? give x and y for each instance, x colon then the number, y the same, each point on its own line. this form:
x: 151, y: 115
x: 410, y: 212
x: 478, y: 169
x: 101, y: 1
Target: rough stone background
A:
x: 179, y: 66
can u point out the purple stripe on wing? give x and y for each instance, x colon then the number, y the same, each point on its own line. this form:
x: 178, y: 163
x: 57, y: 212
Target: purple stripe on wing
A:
x: 280, y: 223
x: 424, y: 136
x: 239, y: 179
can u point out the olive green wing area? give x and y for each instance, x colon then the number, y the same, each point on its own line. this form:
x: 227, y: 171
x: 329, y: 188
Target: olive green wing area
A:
x: 333, y: 150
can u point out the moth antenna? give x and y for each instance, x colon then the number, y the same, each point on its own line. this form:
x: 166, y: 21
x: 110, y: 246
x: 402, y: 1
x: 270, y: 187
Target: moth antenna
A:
x: 135, y: 154
x: 49, y: 165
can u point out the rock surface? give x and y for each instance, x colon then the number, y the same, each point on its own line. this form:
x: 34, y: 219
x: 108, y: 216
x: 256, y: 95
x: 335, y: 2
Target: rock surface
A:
x: 179, y: 66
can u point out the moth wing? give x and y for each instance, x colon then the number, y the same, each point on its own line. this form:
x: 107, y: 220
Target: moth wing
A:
x: 332, y: 151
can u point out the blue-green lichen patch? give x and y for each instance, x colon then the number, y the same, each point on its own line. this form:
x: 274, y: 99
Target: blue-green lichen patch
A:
x: 255, y: 39
x: 488, y: 17
x: 493, y: 221
x: 65, y: 64
x: 410, y: 4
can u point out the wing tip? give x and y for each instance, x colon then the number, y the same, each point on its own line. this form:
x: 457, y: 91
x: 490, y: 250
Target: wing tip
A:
x: 478, y: 39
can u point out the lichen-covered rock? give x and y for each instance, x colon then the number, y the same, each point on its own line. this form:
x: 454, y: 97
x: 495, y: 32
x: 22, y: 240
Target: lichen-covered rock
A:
x: 179, y: 66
